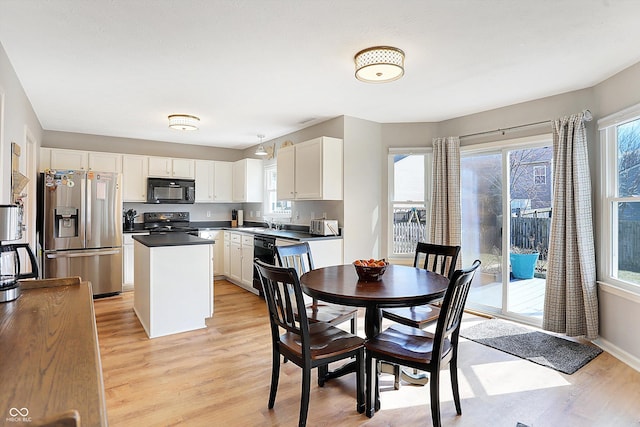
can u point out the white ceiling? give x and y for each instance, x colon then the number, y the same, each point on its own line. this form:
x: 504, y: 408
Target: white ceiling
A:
x: 120, y: 67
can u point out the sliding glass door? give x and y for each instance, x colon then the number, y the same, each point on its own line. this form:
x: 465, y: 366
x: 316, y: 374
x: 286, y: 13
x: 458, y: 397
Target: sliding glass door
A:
x: 506, y: 214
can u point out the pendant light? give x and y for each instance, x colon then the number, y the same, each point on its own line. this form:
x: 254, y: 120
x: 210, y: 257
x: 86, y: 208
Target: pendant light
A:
x: 261, y: 151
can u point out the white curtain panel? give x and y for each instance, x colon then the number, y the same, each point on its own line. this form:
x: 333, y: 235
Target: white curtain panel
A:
x: 445, y: 194
x: 571, y: 301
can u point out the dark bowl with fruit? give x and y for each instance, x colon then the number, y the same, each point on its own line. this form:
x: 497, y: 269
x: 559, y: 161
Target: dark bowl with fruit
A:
x: 370, y: 270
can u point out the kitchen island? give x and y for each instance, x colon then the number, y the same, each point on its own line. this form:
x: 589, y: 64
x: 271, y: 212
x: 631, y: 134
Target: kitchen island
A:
x: 173, y: 277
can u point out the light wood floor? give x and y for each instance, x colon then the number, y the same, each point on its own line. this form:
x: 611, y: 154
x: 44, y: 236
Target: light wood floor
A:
x: 219, y: 376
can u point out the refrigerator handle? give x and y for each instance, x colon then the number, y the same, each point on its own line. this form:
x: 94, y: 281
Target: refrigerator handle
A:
x: 85, y: 253
x: 88, y: 212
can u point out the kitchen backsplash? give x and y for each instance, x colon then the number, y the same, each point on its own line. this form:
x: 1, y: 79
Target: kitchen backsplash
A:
x: 304, y: 211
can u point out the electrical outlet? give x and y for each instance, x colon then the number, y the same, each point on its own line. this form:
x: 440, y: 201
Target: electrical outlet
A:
x: 258, y: 214
x: 313, y: 215
x: 297, y: 215
x: 208, y: 214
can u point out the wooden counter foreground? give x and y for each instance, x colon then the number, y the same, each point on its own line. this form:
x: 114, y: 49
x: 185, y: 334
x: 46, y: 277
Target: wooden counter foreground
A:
x: 49, y: 355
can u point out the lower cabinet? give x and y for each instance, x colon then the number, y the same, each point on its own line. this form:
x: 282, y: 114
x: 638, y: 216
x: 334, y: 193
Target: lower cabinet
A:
x: 239, y: 248
x: 127, y: 263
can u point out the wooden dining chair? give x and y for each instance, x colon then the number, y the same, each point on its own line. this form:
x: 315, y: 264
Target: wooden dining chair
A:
x: 308, y: 345
x: 413, y: 347
x: 298, y: 256
x: 439, y: 259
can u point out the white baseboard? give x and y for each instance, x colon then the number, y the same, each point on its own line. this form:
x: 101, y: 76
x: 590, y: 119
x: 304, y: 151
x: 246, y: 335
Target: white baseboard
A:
x: 618, y: 353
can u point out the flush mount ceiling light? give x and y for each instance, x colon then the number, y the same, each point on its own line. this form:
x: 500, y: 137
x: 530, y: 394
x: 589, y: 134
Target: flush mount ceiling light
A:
x: 183, y: 122
x: 379, y: 64
x: 261, y: 151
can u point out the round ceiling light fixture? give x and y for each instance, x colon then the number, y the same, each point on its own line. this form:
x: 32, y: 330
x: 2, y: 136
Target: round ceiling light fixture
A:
x: 379, y: 64
x: 183, y: 122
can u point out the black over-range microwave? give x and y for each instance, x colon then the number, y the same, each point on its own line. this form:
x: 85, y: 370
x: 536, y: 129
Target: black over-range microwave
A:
x: 168, y: 190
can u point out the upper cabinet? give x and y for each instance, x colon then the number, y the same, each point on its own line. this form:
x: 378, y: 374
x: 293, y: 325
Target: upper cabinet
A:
x: 213, y: 181
x: 311, y: 170
x: 68, y: 159
x: 165, y: 167
x: 222, y: 181
x: 134, y: 178
x: 248, y: 178
x: 80, y: 160
x: 105, y: 162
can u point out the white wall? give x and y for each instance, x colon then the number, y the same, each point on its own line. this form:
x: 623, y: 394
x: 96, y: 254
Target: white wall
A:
x: 363, y: 204
x: 17, y: 119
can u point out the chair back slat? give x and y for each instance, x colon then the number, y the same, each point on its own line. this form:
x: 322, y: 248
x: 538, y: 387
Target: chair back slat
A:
x: 284, y: 298
x: 437, y: 258
x: 296, y: 256
x: 452, y: 308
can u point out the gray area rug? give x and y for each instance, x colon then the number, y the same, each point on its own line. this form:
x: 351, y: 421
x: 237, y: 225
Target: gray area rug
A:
x: 544, y: 349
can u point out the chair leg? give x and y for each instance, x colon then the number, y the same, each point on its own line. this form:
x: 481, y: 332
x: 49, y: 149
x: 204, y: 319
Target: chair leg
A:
x: 360, y: 381
x: 453, y: 367
x: 372, y: 374
x: 396, y: 377
x: 354, y: 325
x: 275, y: 376
x: 323, y: 370
x: 435, y: 398
x: 304, y: 403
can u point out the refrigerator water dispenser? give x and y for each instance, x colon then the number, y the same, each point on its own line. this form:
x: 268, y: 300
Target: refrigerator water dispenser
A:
x: 66, y: 222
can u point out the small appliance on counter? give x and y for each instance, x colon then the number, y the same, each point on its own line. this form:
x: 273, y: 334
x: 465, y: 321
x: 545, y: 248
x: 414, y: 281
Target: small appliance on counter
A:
x: 129, y: 218
x: 10, y: 268
x: 324, y: 227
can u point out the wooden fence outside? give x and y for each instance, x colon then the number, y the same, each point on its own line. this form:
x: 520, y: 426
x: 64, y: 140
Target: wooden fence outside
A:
x: 628, y: 238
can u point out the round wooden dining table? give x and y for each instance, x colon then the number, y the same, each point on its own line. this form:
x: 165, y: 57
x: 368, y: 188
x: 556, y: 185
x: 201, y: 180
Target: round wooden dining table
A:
x: 400, y: 286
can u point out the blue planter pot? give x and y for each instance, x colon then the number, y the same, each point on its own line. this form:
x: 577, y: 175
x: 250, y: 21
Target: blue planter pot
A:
x: 523, y: 265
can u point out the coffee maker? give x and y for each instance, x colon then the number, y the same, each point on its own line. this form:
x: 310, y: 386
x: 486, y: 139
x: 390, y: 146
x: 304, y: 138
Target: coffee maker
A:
x: 10, y: 268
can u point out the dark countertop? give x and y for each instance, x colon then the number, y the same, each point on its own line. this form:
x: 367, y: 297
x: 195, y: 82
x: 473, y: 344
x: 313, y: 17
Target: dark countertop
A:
x: 171, y: 239
x: 296, y: 232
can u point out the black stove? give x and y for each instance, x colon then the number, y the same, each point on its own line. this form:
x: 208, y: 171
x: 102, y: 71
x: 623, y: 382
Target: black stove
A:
x: 167, y: 222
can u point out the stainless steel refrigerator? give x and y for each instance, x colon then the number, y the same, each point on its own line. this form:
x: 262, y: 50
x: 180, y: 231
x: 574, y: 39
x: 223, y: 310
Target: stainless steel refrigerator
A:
x: 82, y: 228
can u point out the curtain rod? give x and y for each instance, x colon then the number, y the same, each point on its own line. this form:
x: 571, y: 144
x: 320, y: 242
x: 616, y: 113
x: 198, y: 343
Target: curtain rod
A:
x: 587, y: 118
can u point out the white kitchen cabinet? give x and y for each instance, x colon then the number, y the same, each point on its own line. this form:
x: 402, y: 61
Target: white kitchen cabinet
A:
x: 128, y: 262
x: 62, y: 159
x: 222, y: 181
x: 226, y: 254
x: 166, y: 167
x: 311, y: 170
x: 286, y: 173
x: 247, y: 260
x: 183, y: 168
x: 218, y: 248
x: 248, y: 180
x: 235, y: 261
x: 213, y: 181
x: 105, y: 162
x: 240, y: 259
x: 134, y: 178
x: 204, y: 181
